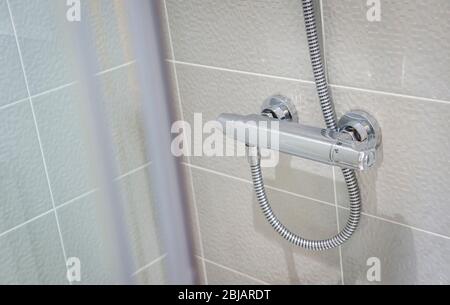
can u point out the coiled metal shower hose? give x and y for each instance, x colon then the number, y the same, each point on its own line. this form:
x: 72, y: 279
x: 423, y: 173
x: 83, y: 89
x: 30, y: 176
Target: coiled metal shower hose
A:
x: 330, y: 121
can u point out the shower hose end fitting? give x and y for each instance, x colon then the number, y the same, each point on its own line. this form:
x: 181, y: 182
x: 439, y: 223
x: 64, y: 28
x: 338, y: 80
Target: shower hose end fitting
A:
x: 253, y: 155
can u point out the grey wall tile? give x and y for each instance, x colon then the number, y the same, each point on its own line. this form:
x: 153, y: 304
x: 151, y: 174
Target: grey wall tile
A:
x: 258, y: 36
x: 63, y: 128
x: 406, y: 256
x: 222, y: 276
x: 12, y: 83
x: 32, y: 254
x: 85, y: 239
x: 412, y: 181
x: 25, y: 192
x: 83, y: 228
x: 45, y: 39
x: 47, y: 58
x: 236, y: 235
x: 211, y: 92
x: 404, y: 53
x: 63, y: 134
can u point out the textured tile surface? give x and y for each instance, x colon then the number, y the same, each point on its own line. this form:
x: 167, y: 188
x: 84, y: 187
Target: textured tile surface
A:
x: 223, y: 276
x: 63, y: 134
x: 63, y: 127
x: 236, y: 235
x: 32, y: 254
x: 412, y: 182
x: 406, y: 52
x: 211, y: 92
x: 406, y: 256
x: 258, y: 36
x: 83, y: 227
x: 12, y: 84
x: 25, y: 192
x: 82, y: 231
x: 45, y: 39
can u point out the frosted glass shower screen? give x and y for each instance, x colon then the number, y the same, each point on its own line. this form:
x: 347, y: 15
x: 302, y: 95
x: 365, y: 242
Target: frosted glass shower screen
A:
x: 77, y: 203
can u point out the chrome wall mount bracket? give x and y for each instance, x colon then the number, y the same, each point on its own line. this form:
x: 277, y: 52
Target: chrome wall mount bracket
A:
x: 354, y: 145
x: 361, y: 126
x: 279, y: 107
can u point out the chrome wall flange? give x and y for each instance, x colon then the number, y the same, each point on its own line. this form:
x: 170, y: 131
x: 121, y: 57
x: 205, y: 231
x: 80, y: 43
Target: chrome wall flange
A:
x: 362, y: 127
x: 279, y: 107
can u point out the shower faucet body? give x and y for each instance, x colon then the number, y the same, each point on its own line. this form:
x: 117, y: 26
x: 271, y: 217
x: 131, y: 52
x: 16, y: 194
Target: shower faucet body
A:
x: 354, y: 145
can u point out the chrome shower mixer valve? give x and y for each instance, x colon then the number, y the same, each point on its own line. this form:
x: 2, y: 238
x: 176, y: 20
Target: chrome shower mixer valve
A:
x: 354, y: 145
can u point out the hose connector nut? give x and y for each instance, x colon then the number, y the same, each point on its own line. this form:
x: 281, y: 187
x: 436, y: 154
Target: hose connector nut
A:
x: 253, y: 155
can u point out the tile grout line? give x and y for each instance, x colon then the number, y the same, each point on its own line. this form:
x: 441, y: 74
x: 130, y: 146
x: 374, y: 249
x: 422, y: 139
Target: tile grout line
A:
x: 239, y: 71
x: 78, y: 198
x: 233, y: 270
x: 153, y: 262
x: 66, y: 204
x: 180, y: 105
x: 133, y: 171
x: 124, y: 65
x: 54, y: 89
x: 9, y: 105
x: 267, y: 186
x: 316, y: 200
x: 70, y: 201
x: 37, y: 95
x: 38, y: 135
x: 380, y: 92
x: 404, y: 225
x: 4, y: 233
x: 15, y: 228
x: 84, y: 195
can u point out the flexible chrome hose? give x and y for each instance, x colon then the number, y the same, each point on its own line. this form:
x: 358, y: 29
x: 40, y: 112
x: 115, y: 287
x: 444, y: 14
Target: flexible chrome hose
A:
x: 330, y: 121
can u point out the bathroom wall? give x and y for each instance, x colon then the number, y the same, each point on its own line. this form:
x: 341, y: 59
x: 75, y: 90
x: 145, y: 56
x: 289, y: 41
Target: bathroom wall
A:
x: 49, y: 203
x: 230, y: 55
